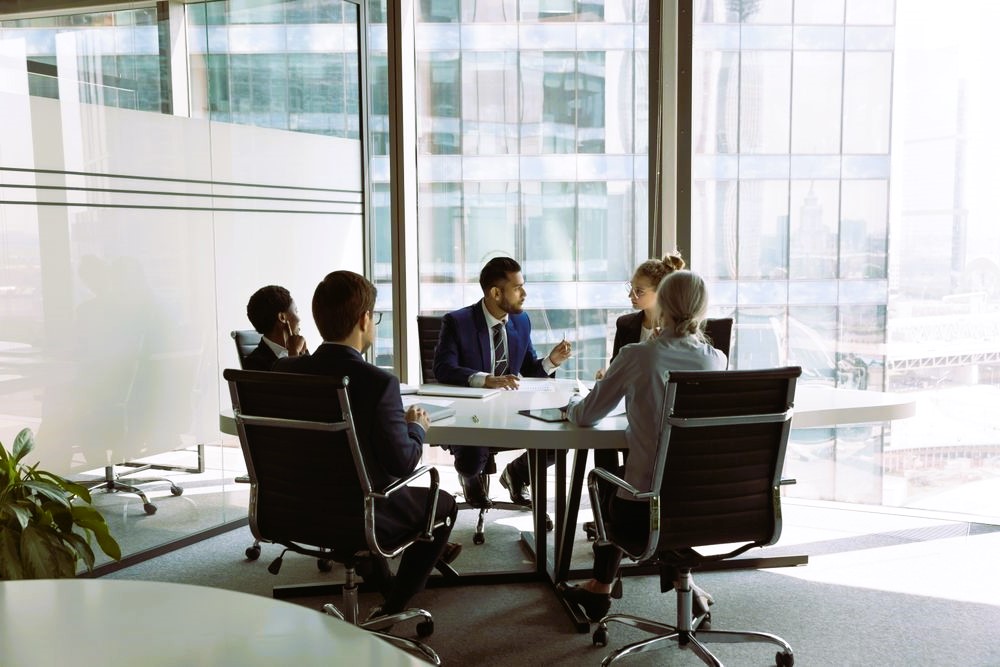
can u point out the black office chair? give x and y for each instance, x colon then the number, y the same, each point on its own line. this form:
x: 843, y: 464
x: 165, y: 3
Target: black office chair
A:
x: 715, y: 481
x: 310, y: 489
x: 246, y: 341
x: 428, y: 332
x: 719, y: 332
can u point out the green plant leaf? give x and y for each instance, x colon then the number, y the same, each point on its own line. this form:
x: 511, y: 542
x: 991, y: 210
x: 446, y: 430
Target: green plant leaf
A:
x: 47, y: 489
x: 24, y: 442
x: 82, y: 548
x: 10, y: 557
x: 44, y: 555
x: 90, y: 519
x: 22, y: 514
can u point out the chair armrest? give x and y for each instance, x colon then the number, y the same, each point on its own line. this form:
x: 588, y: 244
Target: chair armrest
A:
x: 432, y: 496
x: 595, y: 502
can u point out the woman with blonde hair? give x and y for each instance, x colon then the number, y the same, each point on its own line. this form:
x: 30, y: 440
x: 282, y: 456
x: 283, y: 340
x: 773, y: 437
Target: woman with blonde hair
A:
x: 636, y: 373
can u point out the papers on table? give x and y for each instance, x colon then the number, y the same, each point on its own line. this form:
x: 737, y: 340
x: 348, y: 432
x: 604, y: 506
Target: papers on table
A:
x: 456, y: 391
x: 535, y: 384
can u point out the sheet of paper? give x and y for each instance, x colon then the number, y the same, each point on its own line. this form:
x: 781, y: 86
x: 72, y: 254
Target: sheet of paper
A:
x: 536, y: 384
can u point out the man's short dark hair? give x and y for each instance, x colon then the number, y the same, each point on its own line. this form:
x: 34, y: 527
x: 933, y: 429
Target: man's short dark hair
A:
x: 339, y: 301
x: 496, y: 271
x: 264, y: 306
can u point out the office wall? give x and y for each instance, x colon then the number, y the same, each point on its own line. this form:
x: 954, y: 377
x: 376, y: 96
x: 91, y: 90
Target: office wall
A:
x: 129, y: 243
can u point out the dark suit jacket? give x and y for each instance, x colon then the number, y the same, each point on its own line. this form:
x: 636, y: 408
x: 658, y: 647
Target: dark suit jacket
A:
x: 261, y: 359
x: 628, y: 329
x: 465, y: 346
x: 391, y: 446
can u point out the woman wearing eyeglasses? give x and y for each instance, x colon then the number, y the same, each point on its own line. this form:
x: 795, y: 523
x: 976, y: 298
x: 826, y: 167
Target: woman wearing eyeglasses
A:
x: 642, y: 325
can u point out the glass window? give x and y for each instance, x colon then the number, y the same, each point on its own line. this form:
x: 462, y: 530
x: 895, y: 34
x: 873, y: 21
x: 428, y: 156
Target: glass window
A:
x: 892, y: 280
x: 814, y: 208
x: 816, y: 98
x: 765, y: 89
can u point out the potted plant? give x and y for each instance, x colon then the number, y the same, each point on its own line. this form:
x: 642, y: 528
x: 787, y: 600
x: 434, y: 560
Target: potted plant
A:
x: 46, y: 522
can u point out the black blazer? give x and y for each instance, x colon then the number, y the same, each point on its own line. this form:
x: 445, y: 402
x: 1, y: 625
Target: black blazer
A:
x: 628, y: 329
x: 392, y: 447
x: 261, y: 359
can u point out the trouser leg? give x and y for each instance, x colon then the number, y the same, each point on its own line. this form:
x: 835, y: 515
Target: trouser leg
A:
x: 419, y: 559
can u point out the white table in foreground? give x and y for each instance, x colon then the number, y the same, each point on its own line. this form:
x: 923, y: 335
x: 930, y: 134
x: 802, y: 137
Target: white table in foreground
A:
x: 101, y: 622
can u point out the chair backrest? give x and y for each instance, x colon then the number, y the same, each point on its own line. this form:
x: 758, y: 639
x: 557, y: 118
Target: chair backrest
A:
x: 246, y: 341
x: 721, y: 451
x: 428, y: 332
x: 307, y: 474
x: 719, y: 332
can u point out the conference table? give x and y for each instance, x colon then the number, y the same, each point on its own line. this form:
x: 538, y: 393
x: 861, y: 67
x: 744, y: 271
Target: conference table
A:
x: 100, y: 622
x: 494, y: 421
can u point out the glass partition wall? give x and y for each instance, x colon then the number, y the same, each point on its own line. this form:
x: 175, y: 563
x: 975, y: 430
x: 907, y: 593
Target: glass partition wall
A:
x: 158, y: 163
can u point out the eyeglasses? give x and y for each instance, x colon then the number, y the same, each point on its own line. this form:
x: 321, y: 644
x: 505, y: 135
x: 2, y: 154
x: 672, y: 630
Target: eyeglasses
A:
x: 637, y: 291
x: 376, y: 317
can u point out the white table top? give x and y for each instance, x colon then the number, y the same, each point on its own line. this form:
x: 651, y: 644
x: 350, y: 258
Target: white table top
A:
x: 102, y: 622
x: 495, y: 420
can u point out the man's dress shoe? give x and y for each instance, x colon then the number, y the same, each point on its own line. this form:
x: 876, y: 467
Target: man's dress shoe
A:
x: 517, y: 489
x: 475, y: 491
x: 594, y: 605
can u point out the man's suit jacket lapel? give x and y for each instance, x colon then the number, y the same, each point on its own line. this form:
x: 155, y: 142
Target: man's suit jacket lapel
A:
x: 484, y: 337
x: 515, y: 347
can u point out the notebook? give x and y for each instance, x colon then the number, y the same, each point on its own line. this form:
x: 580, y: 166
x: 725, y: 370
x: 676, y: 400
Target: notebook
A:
x: 436, y: 410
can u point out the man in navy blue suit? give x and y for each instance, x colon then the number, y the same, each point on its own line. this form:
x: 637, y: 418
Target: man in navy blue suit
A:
x: 488, y: 344
x: 391, y: 439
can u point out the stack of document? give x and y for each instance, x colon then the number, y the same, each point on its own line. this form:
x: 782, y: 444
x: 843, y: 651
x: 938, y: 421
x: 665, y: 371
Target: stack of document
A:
x: 456, y: 391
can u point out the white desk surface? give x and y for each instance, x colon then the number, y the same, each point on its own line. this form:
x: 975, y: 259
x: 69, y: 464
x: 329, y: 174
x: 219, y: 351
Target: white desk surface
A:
x: 102, y: 622
x: 494, y: 421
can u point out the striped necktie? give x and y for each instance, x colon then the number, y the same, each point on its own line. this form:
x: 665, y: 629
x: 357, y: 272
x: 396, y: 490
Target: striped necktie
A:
x: 500, y: 365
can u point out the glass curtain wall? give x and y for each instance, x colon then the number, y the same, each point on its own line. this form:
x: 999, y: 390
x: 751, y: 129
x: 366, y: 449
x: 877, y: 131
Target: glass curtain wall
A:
x: 841, y: 212
x: 532, y: 142
x: 158, y: 164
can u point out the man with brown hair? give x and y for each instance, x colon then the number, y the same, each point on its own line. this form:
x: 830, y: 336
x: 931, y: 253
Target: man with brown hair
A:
x: 392, y: 441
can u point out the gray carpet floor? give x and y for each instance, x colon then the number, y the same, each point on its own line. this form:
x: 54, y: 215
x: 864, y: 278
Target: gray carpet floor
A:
x: 846, y: 620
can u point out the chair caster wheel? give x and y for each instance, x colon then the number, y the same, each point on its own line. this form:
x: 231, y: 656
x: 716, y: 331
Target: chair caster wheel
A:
x: 601, y: 636
x: 176, y: 490
x: 149, y: 507
x: 425, y: 629
x: 784, y: 659
x: 324, y: 565
x: 252, y: 553
x: 478, y: 538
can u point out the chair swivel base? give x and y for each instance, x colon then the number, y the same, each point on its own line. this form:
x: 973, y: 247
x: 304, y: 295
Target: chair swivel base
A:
x: 112, y: 484
x: 688, y: 634
x: 380, y: 626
